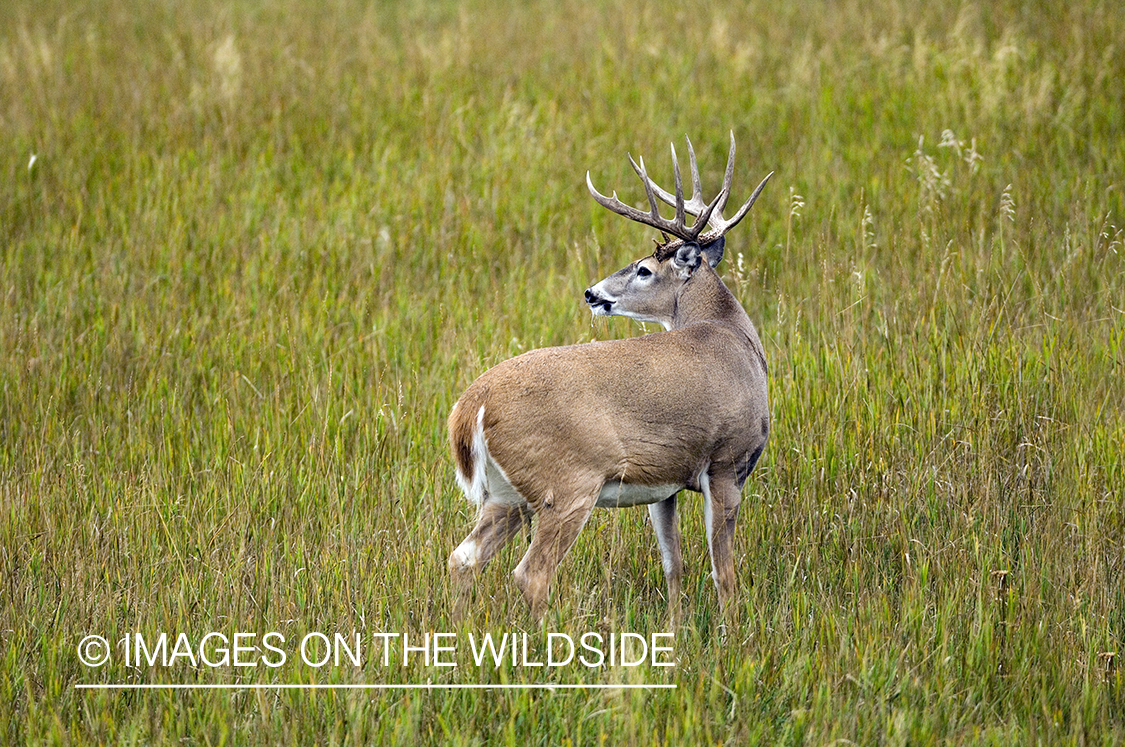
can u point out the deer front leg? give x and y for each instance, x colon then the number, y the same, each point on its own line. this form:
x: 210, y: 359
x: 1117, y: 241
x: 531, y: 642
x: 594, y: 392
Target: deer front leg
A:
x: 667, y: 527
x: 557, y: 523
x: 496, y: 524
x: 721, y: 500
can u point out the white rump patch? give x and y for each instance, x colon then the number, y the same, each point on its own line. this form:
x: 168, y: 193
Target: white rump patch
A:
x: 475, y: 489
x: 489, y: 481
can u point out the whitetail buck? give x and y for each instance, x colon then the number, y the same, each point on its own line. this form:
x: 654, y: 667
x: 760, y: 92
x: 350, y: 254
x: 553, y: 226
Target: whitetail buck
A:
x: 556, y: 432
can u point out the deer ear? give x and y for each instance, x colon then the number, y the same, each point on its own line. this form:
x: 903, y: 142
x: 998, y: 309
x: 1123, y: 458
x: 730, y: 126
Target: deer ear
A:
x: 714, y: 251
x: 686, y: 260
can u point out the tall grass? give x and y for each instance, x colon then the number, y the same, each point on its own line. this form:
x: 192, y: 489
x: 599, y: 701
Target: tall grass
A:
x: 251, y: 253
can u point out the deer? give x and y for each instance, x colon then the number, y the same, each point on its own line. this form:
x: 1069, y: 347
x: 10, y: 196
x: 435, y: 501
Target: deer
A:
x: 558, y: 431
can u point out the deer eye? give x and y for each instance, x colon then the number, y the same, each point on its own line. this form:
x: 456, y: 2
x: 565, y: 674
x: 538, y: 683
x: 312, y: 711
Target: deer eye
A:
x: 643, y: 272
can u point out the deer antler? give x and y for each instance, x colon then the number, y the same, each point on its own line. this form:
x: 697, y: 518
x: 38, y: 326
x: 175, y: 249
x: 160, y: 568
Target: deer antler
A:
x: 676, y: 227
x: 708, y: 215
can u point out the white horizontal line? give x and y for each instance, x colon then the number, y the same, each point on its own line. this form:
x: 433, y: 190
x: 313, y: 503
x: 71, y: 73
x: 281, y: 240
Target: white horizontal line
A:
x: 372, y: 686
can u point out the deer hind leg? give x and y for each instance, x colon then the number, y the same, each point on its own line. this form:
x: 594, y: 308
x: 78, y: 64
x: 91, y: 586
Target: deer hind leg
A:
x: 557, y: 523
x: 497, y: 522
x: 722, y: 499
x: 666, y: 524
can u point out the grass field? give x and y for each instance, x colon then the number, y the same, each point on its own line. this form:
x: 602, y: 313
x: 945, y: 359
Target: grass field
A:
x: 250, y: 254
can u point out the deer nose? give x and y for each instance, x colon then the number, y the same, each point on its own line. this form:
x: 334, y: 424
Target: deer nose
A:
x: 599, y: 304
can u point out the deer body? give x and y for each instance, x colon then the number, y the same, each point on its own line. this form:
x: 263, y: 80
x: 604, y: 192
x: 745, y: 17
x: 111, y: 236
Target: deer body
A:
x: 576, y: 408
x: 556, y: 432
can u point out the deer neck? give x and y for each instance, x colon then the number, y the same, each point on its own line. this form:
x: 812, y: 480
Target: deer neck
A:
x: 705, y: 297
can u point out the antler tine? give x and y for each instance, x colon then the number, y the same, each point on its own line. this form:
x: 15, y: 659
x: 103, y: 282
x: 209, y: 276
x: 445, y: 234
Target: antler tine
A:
x: 710, y: 211
x: 648, y: 188
x: 723, y: 226
x: 681, y: 218
x: 695, y: 206
x: 696, y: 187
x: 728, y: 177
x: 655, y: 219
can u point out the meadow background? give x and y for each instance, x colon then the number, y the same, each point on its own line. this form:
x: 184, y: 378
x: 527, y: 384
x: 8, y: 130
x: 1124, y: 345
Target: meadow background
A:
x: 251, y: 252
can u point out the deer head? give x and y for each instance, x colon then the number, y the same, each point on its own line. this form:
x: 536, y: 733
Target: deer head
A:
x: 646, y: 289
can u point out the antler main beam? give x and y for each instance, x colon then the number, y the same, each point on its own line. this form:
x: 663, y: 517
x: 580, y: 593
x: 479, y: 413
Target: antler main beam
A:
x: 707, y: 215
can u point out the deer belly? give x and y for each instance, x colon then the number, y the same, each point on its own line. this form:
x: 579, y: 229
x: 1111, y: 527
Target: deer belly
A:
x: 617, y: 494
